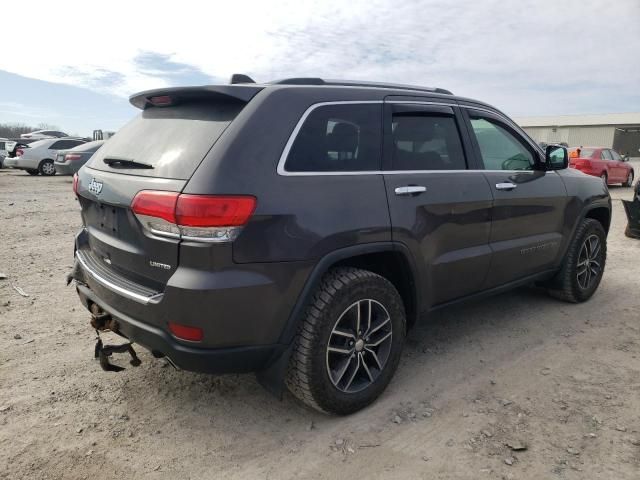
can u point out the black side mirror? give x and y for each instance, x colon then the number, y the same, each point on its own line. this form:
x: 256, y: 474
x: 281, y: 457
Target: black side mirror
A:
x: 556, y: 157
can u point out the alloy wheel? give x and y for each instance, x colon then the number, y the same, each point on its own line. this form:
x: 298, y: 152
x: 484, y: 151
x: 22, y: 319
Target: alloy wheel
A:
x: 589, y: 263
x: 359, y: 346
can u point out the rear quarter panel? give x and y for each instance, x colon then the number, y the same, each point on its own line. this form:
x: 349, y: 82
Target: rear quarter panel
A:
x: 297, y: 217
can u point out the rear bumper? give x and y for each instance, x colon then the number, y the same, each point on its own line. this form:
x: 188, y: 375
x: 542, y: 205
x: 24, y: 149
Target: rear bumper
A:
x: 242, y: 310
x: 205, y: 360
x: 65, y: 168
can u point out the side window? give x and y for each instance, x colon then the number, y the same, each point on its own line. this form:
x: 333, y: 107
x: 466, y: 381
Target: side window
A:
x: 426, y: 142
x: 338, y: 138
x: 616, y: 156
x: 499, y: 148
x: 605, y: 155
x: 59, y: 145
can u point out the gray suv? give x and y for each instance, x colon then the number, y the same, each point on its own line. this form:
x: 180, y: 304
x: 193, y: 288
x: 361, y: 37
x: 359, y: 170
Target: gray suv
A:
x: 299, y: 228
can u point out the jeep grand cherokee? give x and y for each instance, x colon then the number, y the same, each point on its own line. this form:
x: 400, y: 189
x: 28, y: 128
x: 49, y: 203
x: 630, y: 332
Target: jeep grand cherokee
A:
x: 298, y: 228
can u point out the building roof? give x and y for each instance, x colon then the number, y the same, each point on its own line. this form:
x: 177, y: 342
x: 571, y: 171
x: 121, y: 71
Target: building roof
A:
x: 580, y: 120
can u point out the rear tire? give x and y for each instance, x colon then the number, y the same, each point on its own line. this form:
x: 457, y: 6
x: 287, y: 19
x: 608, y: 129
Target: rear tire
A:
x: 47, y: 168
x: 32, y: 172
x: 338, y: 365
x: 629, y: 182
x: 584, y: 264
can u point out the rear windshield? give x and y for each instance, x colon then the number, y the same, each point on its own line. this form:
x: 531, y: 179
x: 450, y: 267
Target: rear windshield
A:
x: 88, y: 147
x: 173, y: 140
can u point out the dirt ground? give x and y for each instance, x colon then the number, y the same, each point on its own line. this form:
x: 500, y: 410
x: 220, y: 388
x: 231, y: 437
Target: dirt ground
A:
x: 515, y: 386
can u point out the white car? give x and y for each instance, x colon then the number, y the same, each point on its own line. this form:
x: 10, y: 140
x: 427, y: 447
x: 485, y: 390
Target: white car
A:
x: 44, y: 134
x: 38, y: 156
x: 3, y: 150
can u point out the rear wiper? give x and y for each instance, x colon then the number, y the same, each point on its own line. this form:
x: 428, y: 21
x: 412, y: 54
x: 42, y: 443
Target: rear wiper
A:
x: 126, y: 163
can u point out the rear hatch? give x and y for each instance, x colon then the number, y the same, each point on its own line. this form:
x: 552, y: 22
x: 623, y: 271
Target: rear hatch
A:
x: 159, y: 150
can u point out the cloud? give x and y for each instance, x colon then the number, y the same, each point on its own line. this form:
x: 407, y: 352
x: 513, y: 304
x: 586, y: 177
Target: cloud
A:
x: 527, y: 57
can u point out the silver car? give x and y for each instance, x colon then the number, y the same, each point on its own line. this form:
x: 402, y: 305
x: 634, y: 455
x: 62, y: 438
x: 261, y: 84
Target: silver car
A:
x: 39, y: 156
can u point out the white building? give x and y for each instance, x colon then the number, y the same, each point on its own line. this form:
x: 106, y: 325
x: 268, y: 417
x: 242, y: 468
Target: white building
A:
x: 620, y: 131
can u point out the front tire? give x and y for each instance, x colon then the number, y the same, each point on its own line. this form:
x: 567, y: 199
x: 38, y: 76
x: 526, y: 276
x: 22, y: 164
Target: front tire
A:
x: 584, y: 264
x: 47, y: 168
x: 629, y: 182
x: 349, y: 343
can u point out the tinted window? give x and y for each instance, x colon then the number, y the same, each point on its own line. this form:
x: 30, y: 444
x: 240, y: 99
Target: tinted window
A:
x: 340, y: 138
x: 499, y: 148
x: 425, y: 142
x: 605, y: 155
x: 64, y: 144
x: 172, y: 139
x: 615, y: 155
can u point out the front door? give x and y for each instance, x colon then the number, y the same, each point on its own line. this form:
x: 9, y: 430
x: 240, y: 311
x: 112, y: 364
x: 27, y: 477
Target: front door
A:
x: 527, y: 233
x: 439, y: 208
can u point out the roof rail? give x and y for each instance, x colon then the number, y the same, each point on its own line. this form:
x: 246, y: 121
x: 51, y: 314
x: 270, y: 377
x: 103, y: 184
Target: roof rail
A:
x: 357, y: 83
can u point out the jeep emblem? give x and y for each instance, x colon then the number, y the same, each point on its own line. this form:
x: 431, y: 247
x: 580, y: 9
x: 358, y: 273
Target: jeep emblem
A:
x: 95, y: 187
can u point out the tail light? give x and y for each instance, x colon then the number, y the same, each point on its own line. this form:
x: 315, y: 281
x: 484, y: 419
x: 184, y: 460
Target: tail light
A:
x: 205, y: 218
x: 19, y: 152
x: 75, y: 184
x: 184, y: 332
x: 72, y: 156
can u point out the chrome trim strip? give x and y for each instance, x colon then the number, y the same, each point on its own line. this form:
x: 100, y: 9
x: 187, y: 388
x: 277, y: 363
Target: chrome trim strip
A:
x: 287, y: 148
x: 124, y: 292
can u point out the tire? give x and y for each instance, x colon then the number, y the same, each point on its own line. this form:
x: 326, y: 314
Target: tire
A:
x: 629, y: 182
x: 47, y: 168
x: 605, y: 178
x: 570, y: 284
x: 314, y: 372
x: 33, y: 172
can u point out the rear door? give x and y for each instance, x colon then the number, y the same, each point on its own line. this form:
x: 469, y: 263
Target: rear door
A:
x: 158, y: 150
x: 528, y: 206
x: 440, y: 208
x: 609, y: 165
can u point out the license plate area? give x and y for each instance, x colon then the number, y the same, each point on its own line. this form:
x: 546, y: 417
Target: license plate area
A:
x: 107, y: 218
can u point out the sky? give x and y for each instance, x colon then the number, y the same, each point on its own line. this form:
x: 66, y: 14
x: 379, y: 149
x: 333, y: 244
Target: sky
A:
x: 75, y: 63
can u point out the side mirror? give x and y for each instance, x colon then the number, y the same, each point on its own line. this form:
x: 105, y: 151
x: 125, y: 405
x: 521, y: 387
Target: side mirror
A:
x: 556, y: 157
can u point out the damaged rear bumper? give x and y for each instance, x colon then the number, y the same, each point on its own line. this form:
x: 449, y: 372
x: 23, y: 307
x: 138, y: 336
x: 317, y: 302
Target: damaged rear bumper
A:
x: 192, y: 358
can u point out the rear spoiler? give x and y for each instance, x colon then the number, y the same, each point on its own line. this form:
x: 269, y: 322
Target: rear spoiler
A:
x: 172, y: 96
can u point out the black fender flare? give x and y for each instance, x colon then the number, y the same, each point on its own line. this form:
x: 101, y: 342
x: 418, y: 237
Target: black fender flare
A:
x: 272, y: 377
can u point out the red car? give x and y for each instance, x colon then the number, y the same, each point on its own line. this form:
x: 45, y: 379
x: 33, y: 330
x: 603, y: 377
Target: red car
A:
x: 602, y: 162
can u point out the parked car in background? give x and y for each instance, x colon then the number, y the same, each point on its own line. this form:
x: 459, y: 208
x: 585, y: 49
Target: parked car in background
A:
x: 44, y: 134
x: 602, y: 162
x: 39, y: 156
x: 3, y: 150
x: 69, y: 162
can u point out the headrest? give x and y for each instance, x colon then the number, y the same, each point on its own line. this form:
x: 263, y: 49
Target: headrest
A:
x: 343, y: 138
x: 413, y: 129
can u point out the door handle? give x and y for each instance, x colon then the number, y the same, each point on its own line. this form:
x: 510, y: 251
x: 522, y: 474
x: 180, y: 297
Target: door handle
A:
x: 505, y: 186
x: 410, y: 190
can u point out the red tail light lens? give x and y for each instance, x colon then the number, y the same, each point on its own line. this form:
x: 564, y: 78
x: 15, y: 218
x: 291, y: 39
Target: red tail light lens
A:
x: 209, y: 218
x: 75, y: 184
x: 184, y: 332
x: 156, y: 204
x: 214, y: 211
x: 72, y: 156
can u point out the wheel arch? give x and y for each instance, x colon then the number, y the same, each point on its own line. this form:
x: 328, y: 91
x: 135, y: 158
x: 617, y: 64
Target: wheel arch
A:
x: 389, y: 259
x: 600, y: 213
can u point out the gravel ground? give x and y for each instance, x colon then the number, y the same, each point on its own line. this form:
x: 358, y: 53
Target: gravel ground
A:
x: 515, y: 386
